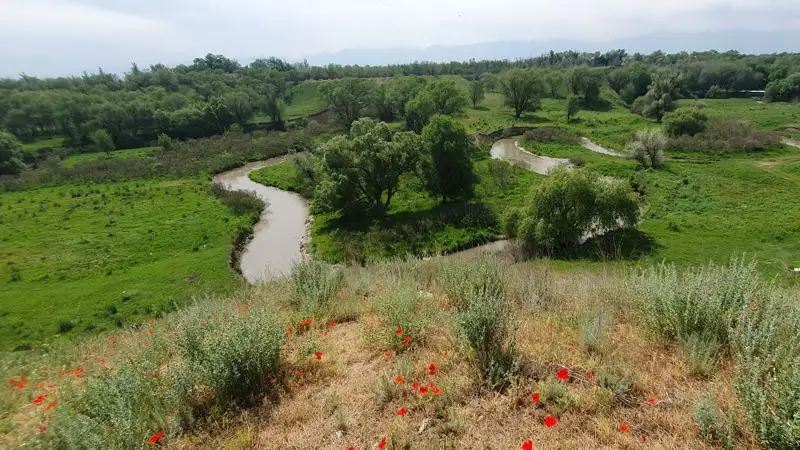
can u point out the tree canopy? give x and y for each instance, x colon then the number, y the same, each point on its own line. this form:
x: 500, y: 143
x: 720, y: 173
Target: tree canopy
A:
x: 522, y: 89
x: 446, y: 164
x: 10, y: 154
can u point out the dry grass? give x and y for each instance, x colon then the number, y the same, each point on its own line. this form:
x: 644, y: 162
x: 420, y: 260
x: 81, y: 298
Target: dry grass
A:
x: 333, y: 403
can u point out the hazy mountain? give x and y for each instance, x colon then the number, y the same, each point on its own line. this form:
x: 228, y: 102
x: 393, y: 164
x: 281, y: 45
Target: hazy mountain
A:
x: 744, y: 41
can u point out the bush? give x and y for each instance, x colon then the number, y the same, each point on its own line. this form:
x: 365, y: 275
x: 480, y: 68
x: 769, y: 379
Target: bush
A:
x: 240, y: 202
x: 463, y: 281
x: 685, y: 121
x: 233, y: 354
x: 403, y: 309
x: 594, y: 327
x: 314, y: 285
x: 165, y: 142
x: 647, y: 148
x: 728, y: 136
x: 711, y: 427
x: 767, y: 355
x: 551, y: 134
x: 700, y: 306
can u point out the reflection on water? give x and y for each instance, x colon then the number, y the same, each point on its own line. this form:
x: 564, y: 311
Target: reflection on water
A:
x: 508, y: 149
x: 280, y: 232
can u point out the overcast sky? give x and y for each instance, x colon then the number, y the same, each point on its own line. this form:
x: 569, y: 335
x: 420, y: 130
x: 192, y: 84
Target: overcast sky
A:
x: 50, y: 37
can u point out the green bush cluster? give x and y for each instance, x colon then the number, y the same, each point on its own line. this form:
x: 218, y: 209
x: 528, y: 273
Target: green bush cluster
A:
x: 314, y: 286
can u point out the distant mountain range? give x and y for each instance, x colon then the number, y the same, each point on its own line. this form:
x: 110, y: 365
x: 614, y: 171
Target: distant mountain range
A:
x: 755, y: 42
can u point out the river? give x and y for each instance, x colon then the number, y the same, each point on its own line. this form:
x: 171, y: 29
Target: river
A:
x: 508, y: 149
x: 280, y: 233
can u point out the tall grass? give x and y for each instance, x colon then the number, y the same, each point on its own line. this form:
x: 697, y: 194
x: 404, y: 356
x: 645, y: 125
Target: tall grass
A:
x: 314, y: 285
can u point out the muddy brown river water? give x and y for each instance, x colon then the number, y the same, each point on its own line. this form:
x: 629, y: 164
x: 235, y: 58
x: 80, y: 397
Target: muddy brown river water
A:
x: 508, y: 149
x: 280, y: 233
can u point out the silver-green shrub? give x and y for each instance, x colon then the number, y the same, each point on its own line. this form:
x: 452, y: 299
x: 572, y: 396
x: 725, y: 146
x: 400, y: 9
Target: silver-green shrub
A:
x: 314, y: 285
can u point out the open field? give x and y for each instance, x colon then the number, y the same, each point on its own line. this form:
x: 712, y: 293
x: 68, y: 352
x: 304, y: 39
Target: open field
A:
x: 90, y: 258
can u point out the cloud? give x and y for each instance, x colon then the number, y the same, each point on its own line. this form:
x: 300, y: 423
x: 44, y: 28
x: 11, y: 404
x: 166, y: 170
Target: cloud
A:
x: 116, y: 32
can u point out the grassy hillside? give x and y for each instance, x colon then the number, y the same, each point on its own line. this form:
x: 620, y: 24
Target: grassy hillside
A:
x: 89, y: 258
x: 83, y: 158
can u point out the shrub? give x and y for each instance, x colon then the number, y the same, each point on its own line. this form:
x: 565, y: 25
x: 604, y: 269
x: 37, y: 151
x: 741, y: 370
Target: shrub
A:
x: 480, y: 277
x: 767, y: 355
x: 699, y: 306
x: 700, y: 351
x: 710, y: 423
x: 240, y: 202
x: 314, y: 285
x: 728, y: 136
x: 404, y: 309
x: 551, y: 134
x: 594, y: 327
x: 685, y: 121
x: 647, y: 148
x: 233, y: 354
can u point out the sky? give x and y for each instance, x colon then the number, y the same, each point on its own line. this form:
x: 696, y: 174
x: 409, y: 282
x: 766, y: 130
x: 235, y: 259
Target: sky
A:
x: 62, y: 37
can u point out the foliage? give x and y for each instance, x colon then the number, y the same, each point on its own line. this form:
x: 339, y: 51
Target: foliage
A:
x: 521, y: 89
x: 647, y: 148
x: 10, y: 154
x: 103, y: 142
x: 446, y: 164
x: 685, y: 121
x: 660, y: 97
x: 784, y: 90
x: 571, y: 205
x: 165, y: 142
x: 631, y: 81
x: 314, y: 286
x: 728, y: 136
x: 555, y: 81
x: 594, y: 328
x: 551, y: 134
x: 362, y: 169
x: 437, y: 97
x: 476, y: 92
x: 405, y: 309
x: 711, y: 425
x: 349, y: 97
x: 573, y: 107
x: 240, y: 203
x: 584, y: 83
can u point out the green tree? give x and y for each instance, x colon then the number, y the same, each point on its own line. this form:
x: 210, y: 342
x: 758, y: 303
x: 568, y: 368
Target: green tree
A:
x: 573, y: 107
x: 522, y: 89
x: 584, y: 83
x: 419, y: 111
x: 490, y: 81
x: 348, y: 96
x: 555, y: 82
x: 660, y: 98
x: 102, y: 141
x: 362, y: 169
x: 685, y: 121
x: 647, y: 147
x: 10, y: 154
x: 571, y: 205
x: 447, y: 97
x: 446, y: 164
x: 476, y: 93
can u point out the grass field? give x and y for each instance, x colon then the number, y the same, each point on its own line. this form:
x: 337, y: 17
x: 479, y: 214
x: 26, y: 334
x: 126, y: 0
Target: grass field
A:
x: 784, y: 117
x: 88, y: 258
x: 82, y: 158
x: 54, y: 142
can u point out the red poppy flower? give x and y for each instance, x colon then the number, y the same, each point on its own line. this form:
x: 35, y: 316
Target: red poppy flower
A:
x: 624, y: 428
x: 407, y: 340
x: 400, y: 379
x: 590, y: 375
x: 318, y: 355
x: 527, y: 445
x: 78, y: 372
x: 402, y: 411
x: 43, y: 429
x: 437, y: 391
x: 151, y: 322
x: 50, y: 406
x: 382, y: 443
x: 445, y: 353
x: 644, y: 438
x: 351, y: 448
x: 563, y: 374
x: 423, y: 390
x: 651, y: 401
x: 332, y: 324
x: 110, y: 337
x: 536, y: 397
x: 154, y: 439
x: 415, y: 385
x: 12, y: 380
x: 398, y: 331
x: 387, y: 354
x: 24, y: 379
x: 39, y: 400
x: 432, y: 369
x: 550, y: 421
x: 20, y: 385
x: 150, y: 331
x: 289, y: 330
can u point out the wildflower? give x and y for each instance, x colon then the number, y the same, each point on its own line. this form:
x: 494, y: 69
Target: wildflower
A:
x: 415, y: 385
x: 43, y: 429
x: 624, y: 428
x: 351, y: 448
x: 445, y: 353
x: 563, y: 374
x: 400, y: 379
x: 151, y: 322
x: 432, y: 369
x: 402, y: 411
x: 12, y: 380
x: 423, y: 390
x: 651, y: 401
x: 550, y: 421
x: 78, y: 372
x: 154, y: 439
x: 20, y: 385
x: 110, y: 337
x: 325, y: 333
x: 24, y: 379
x: 387, y: 354
x: 50, y: 406
x: 40, y: 399
x: 536, y: 397
x: 299, y: 372
x: 644, y: 438
x: 289, y: 330
x: 150, y: 331
x: 332, y: 324
x: 436, y: 391
x: 382, y: 443
x: 407, y: 340
x: 527, y: 445
x: 398, y: 331
x: 590, y: 375
x: 318, y: 355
